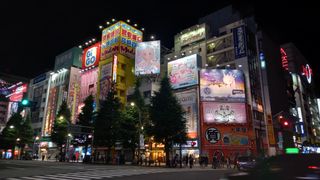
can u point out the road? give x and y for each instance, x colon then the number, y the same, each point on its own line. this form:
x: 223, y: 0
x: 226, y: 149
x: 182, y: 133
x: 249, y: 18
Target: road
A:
x: 32, y: 170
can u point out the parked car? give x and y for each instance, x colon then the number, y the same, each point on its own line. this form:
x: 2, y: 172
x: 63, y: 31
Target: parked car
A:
x: 246, y: 163
x: 284, y: 167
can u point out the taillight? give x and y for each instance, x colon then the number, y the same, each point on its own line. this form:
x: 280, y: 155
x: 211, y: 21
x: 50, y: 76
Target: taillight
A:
x: 313, y: 167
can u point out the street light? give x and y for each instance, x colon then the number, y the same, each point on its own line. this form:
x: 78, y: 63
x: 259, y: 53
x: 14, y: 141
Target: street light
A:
x: 140, y: 129
x: 11, y: 127
x: 35, y: 154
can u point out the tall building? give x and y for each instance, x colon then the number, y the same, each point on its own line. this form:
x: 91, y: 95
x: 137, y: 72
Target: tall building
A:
x: 234, y: 117
x: 303, y: 111
x: 38, y: 92
x: 118, y: 45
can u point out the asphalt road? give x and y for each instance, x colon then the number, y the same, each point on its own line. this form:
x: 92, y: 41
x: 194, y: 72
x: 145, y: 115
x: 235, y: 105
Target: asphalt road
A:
x: 32, y: 170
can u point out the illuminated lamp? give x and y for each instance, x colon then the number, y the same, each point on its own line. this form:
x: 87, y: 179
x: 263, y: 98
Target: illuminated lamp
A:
x: 217, y: 65
x: 175, y: 56
x: 240, y: 65
x: 142, y: 29
x: 80, y: 46
x: 128, y: 20
x: 168, y: 58
x: 86, y: 43
x: 113, y: 20
x: 135, y: 25
x: 108, y: 22
x: 100, y: 27
x: 93, y: 39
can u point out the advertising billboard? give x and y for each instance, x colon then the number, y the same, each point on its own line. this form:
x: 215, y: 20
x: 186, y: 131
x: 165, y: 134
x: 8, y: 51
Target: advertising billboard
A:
x: 74, y: 92
x: 110, y: 40
x: 17, y: 92
x: 147, y: 60
x: 130, y: 36
x: 183, y: 72
x: 104, y: 80
x: 239, y: 40
x: 188, y: 101
x: 222, y: 85
x: 88, y: 84
x: 119, y: 38
x: 193, y: 36
x: 91, y: 56
x: 215, y: 112
x: 51, y: 110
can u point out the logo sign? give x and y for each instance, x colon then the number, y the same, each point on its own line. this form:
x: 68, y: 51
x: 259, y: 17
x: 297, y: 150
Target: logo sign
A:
x: 239, y: 37
x: 284, y: 59
x: 91, y: 56
x: 213, y: 135
x: 307, y: 72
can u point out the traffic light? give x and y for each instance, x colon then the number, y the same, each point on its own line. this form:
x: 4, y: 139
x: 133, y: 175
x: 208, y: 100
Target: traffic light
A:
x: 25, y: 102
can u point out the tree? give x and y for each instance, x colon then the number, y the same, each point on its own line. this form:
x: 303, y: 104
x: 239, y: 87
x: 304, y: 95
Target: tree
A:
x: 25, y: 133
x: 168, y: 124
x: 11, y: 132
x: 107, y: 123
x: 129, y: 129
x: 60, y: 127
x: 86, y: 120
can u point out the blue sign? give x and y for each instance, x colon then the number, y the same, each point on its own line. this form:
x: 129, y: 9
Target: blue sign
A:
x: 39, y: 78
x: 239, y: 40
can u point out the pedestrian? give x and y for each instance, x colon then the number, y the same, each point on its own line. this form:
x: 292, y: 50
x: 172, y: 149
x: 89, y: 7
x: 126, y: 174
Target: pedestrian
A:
x: 214, y: 162
x: 228, y: 162
x: 43, y: 156
x: 187, y: 160
x: 190, y: 160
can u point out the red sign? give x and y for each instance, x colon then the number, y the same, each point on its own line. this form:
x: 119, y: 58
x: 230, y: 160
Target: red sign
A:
x: 307, y: 72
x: 91, y: 56
x: 17, y: 92
x: 284, y: 59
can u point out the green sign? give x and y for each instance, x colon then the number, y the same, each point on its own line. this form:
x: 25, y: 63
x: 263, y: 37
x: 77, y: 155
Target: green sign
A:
x: 292, y: 151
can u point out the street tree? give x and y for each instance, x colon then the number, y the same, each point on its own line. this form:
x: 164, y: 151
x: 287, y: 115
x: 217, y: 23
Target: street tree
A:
x: 86, y: 121
x: 25, y: 133
x: 168, y: 124
x: 60, y: 127
x: 129, y: 129
x: 10, y: 133
x: 106, y: 126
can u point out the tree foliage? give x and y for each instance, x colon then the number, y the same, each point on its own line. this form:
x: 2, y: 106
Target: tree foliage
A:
x: 107, y: 123
x: 11, y: 132
x: 60, y: 127
x: 168, y: 124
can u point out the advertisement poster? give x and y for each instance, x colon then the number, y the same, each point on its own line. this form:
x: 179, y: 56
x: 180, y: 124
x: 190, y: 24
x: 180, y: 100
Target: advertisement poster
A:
x: 193, y: 36
x: 215, y: 112
x: 222, y: 85
x: 51, y: 110
x: 235, y: 139
x: 88, y: 84
x: 119, y: 37
x: 240, y: 44
x: 147, y: 59
x: 17, y: 92
x: 183, y: 72
x: 74, y: 92
x: 130, y: 36
x: 105, y: 80
x: 188, y: 101
x: 91, y: 56
x: 110, y: 41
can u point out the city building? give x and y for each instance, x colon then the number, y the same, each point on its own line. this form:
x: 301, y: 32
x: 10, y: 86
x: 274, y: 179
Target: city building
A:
x: 38, y: 92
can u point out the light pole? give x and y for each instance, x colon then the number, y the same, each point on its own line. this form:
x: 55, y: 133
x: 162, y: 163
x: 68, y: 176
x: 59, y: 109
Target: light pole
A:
x: 139, y: 130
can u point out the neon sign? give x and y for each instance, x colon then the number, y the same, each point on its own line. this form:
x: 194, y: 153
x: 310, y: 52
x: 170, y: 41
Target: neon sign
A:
x: 114, y: 71
x: 284, y: 59
x: 307, y: 72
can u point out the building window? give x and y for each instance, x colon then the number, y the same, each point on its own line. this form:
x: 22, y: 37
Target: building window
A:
x: 43, y: 99
x: 147, y: 94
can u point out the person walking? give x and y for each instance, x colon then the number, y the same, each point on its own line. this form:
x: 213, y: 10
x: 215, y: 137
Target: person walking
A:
x: 187, y: 160
x: 214, y: 162
x: 191, y: 160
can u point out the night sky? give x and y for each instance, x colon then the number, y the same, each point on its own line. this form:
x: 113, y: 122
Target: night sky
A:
x: 34, y: 32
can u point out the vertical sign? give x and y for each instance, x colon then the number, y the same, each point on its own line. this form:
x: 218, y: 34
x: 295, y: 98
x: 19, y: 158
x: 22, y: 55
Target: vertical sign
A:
x: 114, y: 68
x: 239, y: 40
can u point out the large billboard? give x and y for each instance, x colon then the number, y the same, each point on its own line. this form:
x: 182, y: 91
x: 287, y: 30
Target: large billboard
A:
x: 88, y: 83
x: 240, y: 43
x: 193, y: 36
x: 91, y: 56
x: 147, y: 59
x: 189, y: 103
x: 229, y: 113
x: 74, y: 92
x: 17, y: 92
x: 119, y: 38
x: 105, y: 75
x: 183, y: 72
x: 222, y: 85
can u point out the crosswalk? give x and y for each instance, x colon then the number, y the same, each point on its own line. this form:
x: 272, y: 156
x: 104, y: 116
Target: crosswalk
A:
x: 99, y: 174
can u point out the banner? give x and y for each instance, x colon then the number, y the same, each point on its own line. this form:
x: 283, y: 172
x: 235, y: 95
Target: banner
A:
x: 147, y: 59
